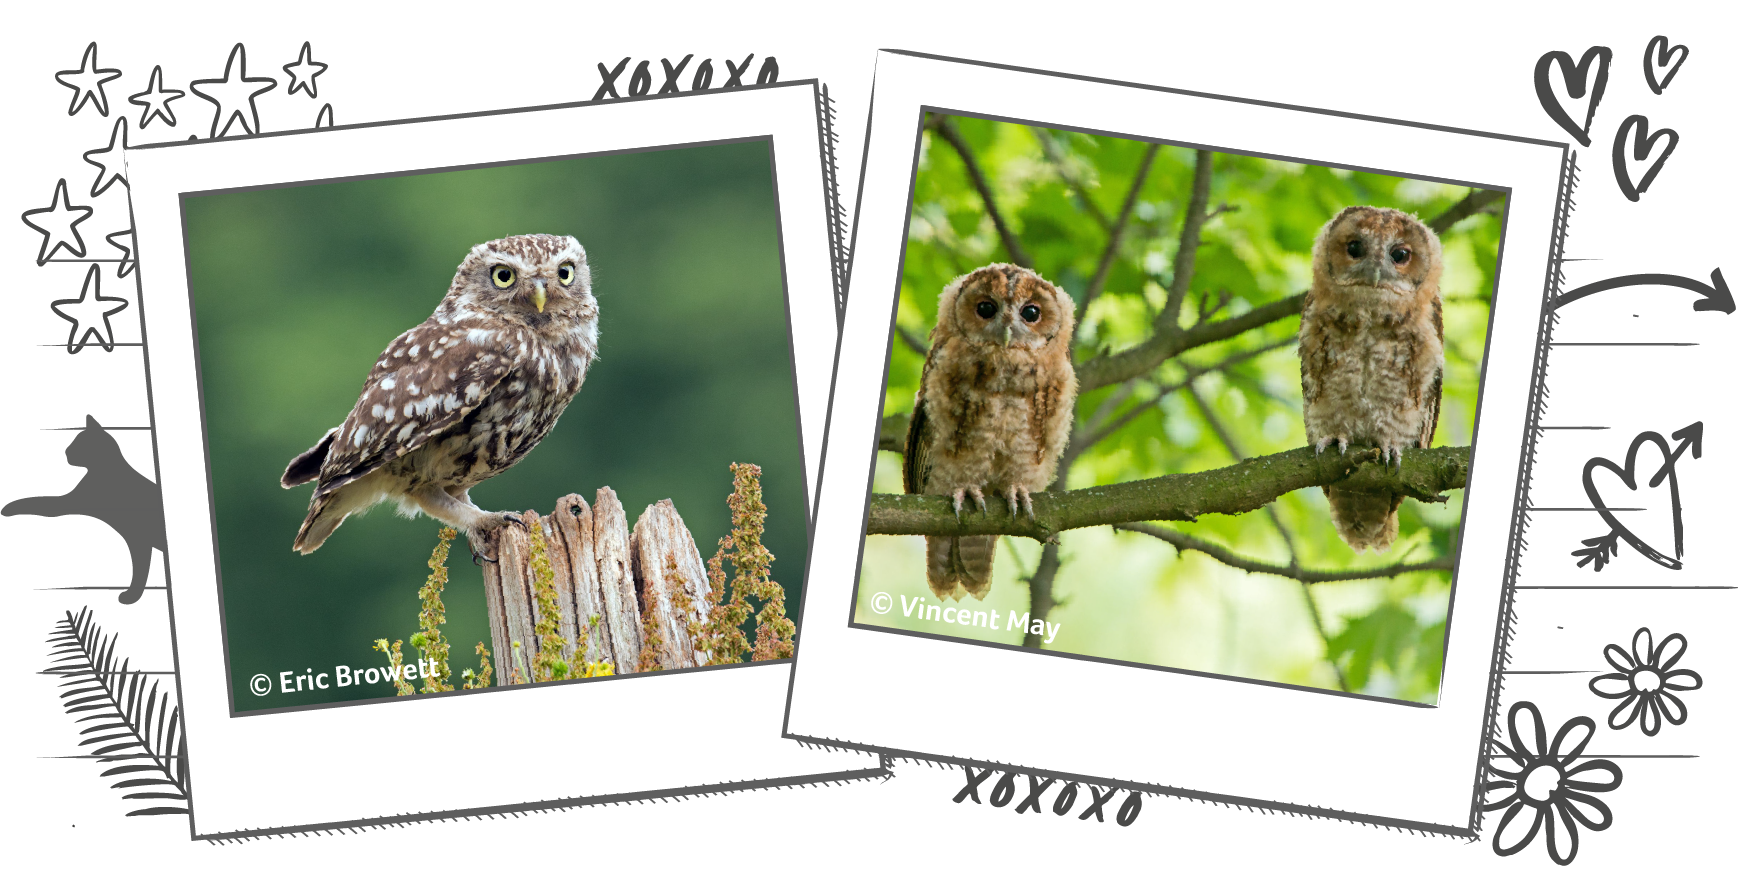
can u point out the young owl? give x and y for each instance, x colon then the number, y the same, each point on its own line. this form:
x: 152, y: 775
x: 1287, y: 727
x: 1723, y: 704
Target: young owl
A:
x: 994, y: 408
x: 1371, y: 345
x: 459, y: 398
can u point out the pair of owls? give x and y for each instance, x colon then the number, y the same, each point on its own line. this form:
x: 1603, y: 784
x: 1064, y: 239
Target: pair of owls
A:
x: 995, y: 405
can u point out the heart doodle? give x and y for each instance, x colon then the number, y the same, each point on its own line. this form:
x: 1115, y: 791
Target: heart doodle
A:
x: 1659, y: 54
x: 1596, y: 62
x: 1644, y: 145
x: 1601, y: 549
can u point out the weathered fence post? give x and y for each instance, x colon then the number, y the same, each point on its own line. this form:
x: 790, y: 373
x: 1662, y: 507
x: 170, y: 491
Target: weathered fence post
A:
x: 600, y: 569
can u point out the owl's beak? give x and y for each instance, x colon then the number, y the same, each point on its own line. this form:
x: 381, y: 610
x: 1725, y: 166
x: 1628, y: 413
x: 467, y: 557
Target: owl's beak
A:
x: 540, y: 296
x: 1007, y: 333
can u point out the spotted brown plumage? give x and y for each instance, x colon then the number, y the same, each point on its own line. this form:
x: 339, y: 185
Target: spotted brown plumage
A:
x: 462, y: 396
x: 993, y: 411
x: 1370, y: 346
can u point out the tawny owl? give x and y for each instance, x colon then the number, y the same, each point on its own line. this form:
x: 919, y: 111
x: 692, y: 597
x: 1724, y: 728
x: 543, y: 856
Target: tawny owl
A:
x: 1371, y: 345
x: 462, y: 396
x: 994, y: 408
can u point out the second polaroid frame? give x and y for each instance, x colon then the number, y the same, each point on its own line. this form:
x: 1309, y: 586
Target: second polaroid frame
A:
x: 1157, y: 730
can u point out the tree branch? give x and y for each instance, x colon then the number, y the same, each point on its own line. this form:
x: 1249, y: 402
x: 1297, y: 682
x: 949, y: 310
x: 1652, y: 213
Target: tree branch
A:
x: 1255, y: 566
x: 1188, y: 243
x: 1056, y: 158
x: 951, y: 133
x: 1114, y: 245
x: 892, y: 435
x: 1148, y: 355
x: 1471, y: 204
x: 1235, y: 489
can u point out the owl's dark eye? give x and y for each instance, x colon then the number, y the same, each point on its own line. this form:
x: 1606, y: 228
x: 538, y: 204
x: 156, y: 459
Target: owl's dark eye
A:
x: 986, y: 309
x: 1400, y: 256
x: 1029, y: 314
x: 1354, y: 249
x: 503, y: 276
x: 565, y: 273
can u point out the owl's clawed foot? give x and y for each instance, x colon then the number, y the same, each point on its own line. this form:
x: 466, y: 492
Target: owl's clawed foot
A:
x: 1325, y: 443
x: 1391, y: 454
x: 1019, y: 496
x: 977, y: 494
x: 483, y: 536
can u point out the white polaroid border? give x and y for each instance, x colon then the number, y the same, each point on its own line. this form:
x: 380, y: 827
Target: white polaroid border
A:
x: 342, y: 765
x: 1156, y: 730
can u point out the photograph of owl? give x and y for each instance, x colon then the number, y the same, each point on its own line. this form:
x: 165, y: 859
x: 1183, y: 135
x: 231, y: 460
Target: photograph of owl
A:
x: 1370, y: 341
x: 462, y: 396
x: 994, y: 409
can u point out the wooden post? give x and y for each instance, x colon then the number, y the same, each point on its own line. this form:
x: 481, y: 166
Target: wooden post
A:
x: 602, y: 570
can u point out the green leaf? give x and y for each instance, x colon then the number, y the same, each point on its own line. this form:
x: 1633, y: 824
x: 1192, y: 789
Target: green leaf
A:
x: 1381, y: 636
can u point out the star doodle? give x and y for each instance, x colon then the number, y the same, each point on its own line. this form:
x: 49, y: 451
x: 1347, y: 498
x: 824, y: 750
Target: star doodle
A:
x: 128, y: 260
x: 324, y: 119
x: 300, y: 77
x: 87, y: 311
x: 233, y: 94
x: 87, y: 82
x: 110, y: 163
x: 58, y: 225
x: 156, y: 100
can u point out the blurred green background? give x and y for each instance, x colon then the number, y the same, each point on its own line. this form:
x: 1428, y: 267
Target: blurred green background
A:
x: 298, y: 289
x: 1127, y: 596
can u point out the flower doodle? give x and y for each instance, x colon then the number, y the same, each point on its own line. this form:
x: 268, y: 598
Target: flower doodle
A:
x: 1549, y: 788
x: 1650, y: 721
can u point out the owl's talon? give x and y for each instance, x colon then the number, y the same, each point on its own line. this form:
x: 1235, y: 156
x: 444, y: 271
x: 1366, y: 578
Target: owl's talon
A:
x: 978, y: 499
x: 1026, y: 499
x: 959, y: 502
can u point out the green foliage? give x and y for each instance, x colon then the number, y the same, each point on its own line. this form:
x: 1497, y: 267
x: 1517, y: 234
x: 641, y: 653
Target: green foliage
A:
x: 484, y: 676
x: 429, y: 641
x: 395, y: 665
x: 1123, y: 596
x: 720, y: 634
x: 549, y: 663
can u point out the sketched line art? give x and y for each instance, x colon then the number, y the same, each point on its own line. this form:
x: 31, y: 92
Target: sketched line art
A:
x: 1583, y: 78
x: 1659, y: 56
x: 1550, y: 787
x: 87, y: 83
x: 58, y: 224
x: 156, y: 100
x: 1645, y: 681
x: 303, y: 72
x: 1601, y: 549
x: 234, y: 94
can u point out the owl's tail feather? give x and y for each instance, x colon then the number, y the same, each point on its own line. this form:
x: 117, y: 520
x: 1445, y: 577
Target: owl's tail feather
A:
x: 324, y: 518
x: 1365, y: 520
x: 306, y: 467
x: 958, y: 566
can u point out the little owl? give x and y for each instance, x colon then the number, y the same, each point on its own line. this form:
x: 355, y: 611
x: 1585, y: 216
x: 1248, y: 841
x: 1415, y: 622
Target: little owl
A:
x: 994, y: 408
x: 1371, y: 345
x: 462, y: 396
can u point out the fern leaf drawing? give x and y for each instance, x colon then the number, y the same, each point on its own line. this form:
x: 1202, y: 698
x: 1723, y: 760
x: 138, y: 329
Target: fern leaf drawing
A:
x: 145, y: 749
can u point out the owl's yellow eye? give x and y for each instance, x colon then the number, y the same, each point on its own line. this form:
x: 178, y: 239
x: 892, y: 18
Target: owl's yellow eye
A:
x: 565, y: 273
x: 503, y: 276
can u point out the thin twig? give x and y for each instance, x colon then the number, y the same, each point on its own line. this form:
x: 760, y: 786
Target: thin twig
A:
x: 912, y: 340
x: 1099, y: 415
x: 1188, y: 242
x: 1309, y: 597
x: 951, y: 133
x: 1053, y: 153
x: 1255, y: 566
x: 1114, y: 245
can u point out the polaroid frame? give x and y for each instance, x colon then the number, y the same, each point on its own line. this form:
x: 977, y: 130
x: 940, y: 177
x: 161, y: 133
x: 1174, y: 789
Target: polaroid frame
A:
x: 341, y: 765
x: 1156, y: 730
